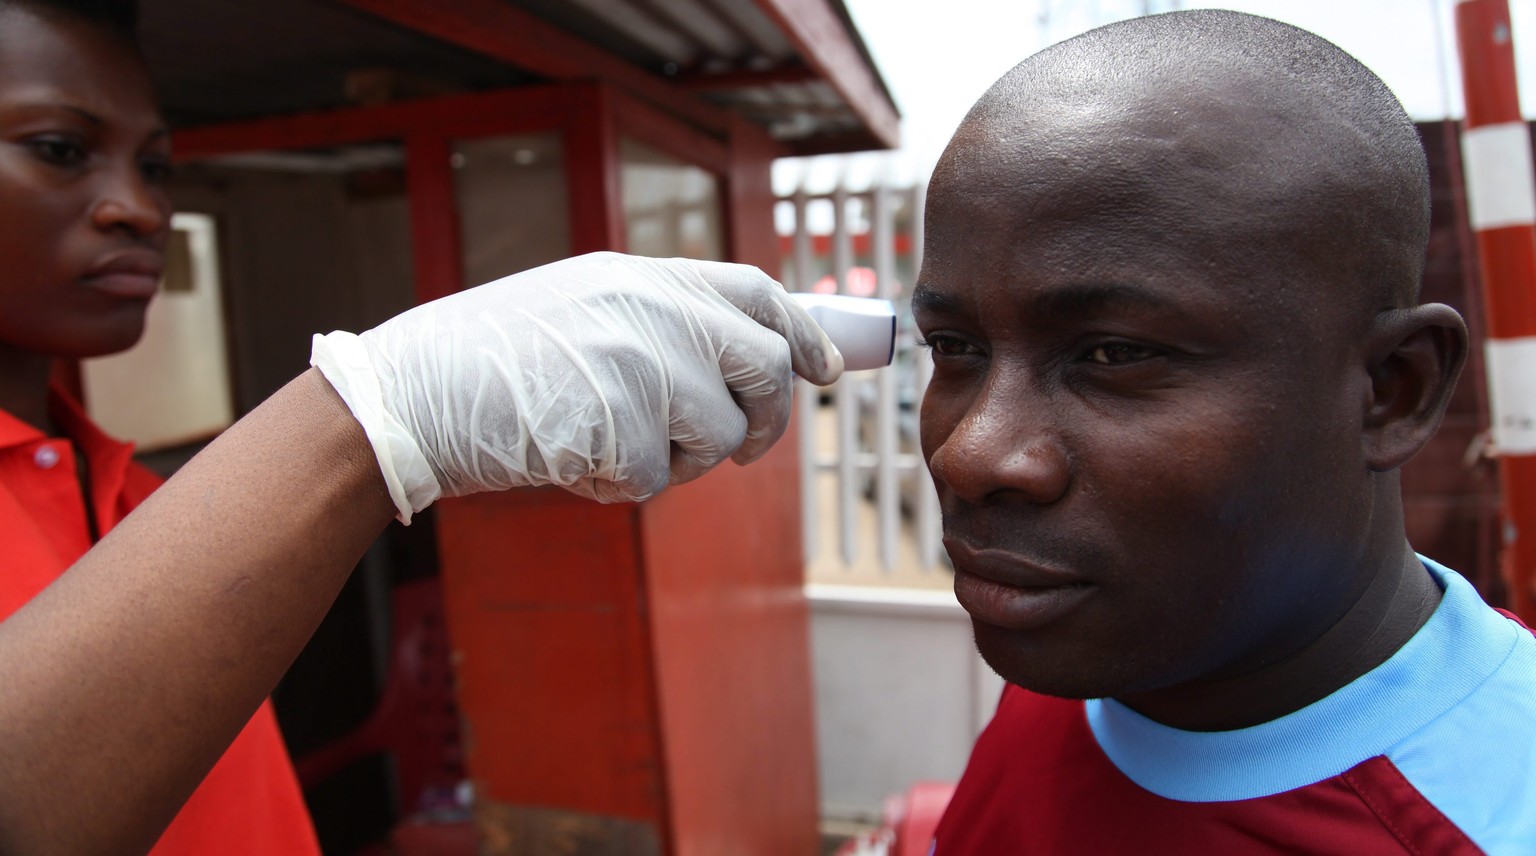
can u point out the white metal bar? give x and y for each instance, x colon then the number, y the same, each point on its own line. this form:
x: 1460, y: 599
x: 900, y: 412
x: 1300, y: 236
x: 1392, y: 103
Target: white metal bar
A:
x: 848, y: 487
x: 807, y: 404
x: 866, y: 462
x: 846, y: 391
x: 802, y: 241
x: 926, y: 519
x: 806, y: 394
x: 887, y: 464
x: 929, y: 529
x: 887, y: 487
x: 847, y: 194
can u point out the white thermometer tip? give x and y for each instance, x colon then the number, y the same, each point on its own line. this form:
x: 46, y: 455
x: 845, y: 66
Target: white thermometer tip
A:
x: 862, y: 328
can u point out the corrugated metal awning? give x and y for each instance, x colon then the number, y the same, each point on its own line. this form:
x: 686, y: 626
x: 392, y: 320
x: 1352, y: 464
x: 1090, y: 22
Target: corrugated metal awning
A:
x: 796, y: 67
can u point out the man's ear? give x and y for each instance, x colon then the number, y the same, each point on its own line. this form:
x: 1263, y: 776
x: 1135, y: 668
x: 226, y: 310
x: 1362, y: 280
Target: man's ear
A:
x: 1415, y: 356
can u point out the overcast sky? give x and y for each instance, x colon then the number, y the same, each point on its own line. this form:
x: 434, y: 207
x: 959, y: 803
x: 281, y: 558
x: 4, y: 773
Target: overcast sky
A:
x: 938, y: 56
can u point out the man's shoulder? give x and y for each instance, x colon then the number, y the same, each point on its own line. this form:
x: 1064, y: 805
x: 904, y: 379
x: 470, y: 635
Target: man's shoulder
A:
x: 1438, y: 739
x: 1515, y: 618
x: 1473, y: 761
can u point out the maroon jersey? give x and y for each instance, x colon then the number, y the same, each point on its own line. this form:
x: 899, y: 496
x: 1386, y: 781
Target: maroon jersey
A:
x: 1429, y: 753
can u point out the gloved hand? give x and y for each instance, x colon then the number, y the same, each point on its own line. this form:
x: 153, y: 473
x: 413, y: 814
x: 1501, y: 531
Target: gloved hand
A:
x: 609, y: 375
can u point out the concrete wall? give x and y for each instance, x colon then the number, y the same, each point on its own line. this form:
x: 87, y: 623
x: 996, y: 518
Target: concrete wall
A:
x: 173, y: 387
x: 303, y: 252
x: 901, y: 693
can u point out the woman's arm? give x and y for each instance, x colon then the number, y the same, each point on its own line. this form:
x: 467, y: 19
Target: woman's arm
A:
x: 612, y: 376
x: 122, y: 683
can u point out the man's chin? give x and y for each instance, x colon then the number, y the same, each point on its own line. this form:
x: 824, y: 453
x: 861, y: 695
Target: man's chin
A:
x: 1062, y: 671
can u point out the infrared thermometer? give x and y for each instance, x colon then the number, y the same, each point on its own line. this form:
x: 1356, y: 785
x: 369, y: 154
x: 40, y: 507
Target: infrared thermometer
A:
x: 862, y: 328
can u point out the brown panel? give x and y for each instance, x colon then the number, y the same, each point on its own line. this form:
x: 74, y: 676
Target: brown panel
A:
x: 1444, y: 528
x: 592, y: 175
x: 643, y: 662
x: 1451, y: 465
x: 750, y: 199
x: 502, y: 31
x: 543, y: 598
x: 707, y: 81
x: 731, y: 635
x: 836, y: 144
x: 435, y: 239
x: 827, y: 46
x: 519, y: 830
x: 636, y: 119
x: 730, y: 624
x: 505, y: 112
x: 1451, y: 502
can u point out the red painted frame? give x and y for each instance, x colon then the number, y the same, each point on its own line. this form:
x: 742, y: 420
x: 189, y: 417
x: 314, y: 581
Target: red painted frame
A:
x: 427, y: 129
x: 671, y: 747
x: 508, y: 34
x: 817, y: 34
x: 591, y: 117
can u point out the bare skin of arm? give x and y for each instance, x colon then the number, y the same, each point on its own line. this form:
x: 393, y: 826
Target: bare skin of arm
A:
x: 122, y: 684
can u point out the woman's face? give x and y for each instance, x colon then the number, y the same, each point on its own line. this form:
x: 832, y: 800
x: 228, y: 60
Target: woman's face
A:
x: 84, y: 215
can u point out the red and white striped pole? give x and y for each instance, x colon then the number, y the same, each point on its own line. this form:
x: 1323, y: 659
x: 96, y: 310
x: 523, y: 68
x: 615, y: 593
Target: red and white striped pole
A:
x: 1501, y: 197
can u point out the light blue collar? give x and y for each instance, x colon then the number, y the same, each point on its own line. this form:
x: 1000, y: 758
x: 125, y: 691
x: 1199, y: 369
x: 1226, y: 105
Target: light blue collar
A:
x: 1461, y: 645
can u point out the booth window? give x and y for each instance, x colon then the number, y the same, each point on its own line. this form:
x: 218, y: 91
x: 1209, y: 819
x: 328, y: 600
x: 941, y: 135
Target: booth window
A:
x: 173, y: 387
x: 671, y: 207
x: 513, y: 209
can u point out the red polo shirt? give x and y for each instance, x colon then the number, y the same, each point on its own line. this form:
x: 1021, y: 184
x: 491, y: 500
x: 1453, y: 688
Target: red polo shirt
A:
x: 250, y: 802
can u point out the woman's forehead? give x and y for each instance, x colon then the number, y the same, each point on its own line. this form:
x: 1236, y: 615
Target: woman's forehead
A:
x: 75, y: 65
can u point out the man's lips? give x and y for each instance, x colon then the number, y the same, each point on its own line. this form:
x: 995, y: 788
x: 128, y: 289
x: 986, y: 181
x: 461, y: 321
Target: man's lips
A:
x: 1010, y: 591
x: 131, y: 273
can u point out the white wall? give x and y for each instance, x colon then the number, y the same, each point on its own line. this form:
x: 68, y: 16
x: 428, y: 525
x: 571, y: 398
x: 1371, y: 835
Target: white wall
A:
x: 514, y: 207
x: 173, y: 386
x: 900, y: 693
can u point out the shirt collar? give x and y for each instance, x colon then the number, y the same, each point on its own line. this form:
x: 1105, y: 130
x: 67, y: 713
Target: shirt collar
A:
x: 14, y: 432
x: 73, y: 424
x: 1461, y: 645
x: 76, y: 425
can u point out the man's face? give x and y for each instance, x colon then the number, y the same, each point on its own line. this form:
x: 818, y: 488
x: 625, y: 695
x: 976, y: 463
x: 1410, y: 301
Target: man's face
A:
x: 84, y: 217
x: 1145, y: 435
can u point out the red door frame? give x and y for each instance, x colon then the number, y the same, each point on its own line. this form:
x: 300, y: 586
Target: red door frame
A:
x: 589, y: 116
x: 706, y: 785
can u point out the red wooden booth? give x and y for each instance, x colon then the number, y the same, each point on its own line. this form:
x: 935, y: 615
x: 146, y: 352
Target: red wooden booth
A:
x: 628, y: 679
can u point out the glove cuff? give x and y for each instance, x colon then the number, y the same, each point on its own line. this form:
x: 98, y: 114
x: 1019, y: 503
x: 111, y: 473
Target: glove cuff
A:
x: 344, y: 361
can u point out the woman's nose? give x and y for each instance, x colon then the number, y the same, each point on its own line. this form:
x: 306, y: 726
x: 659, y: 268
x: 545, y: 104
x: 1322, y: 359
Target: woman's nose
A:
x: 131, y: 202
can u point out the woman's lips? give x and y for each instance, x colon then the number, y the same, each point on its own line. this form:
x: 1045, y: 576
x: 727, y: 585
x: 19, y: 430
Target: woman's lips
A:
x: 1008, y: 590
x: 131, y: 285
x: 131, y: 274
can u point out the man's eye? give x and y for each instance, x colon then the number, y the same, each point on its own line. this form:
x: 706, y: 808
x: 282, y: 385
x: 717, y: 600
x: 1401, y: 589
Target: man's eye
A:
x: 1120, y: 353
x: 58, y: 151
x: 946, y: 346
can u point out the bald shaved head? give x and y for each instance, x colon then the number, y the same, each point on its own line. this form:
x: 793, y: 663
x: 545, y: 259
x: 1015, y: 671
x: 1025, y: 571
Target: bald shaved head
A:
x: 1170, y: 275
x: 1240, y: 133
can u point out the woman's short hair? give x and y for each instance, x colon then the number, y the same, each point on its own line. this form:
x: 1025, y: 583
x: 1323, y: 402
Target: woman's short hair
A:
x: 120, y: 17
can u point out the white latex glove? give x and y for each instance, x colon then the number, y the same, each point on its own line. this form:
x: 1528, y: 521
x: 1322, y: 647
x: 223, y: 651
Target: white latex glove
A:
x: 611, y: 376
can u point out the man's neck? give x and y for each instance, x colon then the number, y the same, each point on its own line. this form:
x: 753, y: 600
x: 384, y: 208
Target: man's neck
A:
x: 1396, y: 603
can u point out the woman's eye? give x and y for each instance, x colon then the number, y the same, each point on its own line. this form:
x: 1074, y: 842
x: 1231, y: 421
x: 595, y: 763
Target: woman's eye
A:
x: 1120, y: 353
x: 156, y: 170
x: 58, y: 151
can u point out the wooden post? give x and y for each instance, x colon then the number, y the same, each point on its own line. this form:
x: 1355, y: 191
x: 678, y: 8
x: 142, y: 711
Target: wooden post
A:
x: 635, y: 679
x: 1496, y: 146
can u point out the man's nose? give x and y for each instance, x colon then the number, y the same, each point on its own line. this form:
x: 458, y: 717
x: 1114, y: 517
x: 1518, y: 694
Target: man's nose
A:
x: 131, y: 202
x: 1003, y: 447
